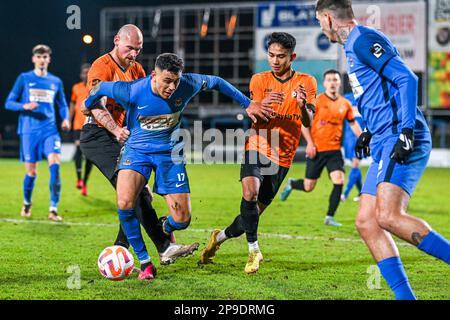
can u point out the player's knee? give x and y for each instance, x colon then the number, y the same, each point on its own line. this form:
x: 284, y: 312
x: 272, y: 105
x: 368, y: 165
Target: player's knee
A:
x: 124, y: 203
x: 385, y: 219
x: 32, y: 172
x: 250, y: 195
x: 363, y: 224
x: 309, y: 187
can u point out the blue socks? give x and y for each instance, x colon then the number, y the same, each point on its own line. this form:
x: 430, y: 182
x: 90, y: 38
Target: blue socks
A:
x: 395, y: 275
x: 28, y: 186
x: 55, y: 185
x: 436, y: 245
x: 132, y: 229
x: 170, y: 225
x: 355, y: 177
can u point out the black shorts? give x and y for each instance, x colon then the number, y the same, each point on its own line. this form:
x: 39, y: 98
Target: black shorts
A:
x: 101, y: 148
x: 270, y: 174
x: 333, y: 160
x: 76, y: 135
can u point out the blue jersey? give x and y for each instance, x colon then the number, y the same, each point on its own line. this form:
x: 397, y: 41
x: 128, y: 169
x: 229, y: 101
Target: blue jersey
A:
x: 384, y: 87
x: 152, y: 120
x: 45, y: 91
x: 349, y: 135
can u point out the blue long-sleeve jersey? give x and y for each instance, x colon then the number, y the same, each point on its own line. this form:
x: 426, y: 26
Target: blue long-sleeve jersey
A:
x: 384, y: 87
x: 45, y: 91
x: 152, y: 120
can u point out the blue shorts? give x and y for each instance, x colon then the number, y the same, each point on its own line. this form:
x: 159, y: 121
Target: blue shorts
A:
x: 349, y: 148
x: 385, y: 169
x: 170, y: 173
x: 33, y: 147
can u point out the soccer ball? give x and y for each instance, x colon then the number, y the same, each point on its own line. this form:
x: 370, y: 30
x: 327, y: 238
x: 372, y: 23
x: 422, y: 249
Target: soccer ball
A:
x: 115, y: 263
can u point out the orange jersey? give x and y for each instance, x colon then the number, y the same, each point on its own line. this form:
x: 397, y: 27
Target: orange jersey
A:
x: 287, y: 116
x: 79, y: 94
x: 328, y: 122
x: 106, y: 69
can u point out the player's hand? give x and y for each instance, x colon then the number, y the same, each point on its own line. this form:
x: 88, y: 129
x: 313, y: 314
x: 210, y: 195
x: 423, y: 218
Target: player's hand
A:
x: 300, y: 95
x: 85, y: 111
x: 65, y: 125
x: 362, y: 149
x: 273, y: 97
x: 256, y: 110
x: 30, y: 106
x: 404, y: 146
x: 311, y: 151
x: 122, y: 134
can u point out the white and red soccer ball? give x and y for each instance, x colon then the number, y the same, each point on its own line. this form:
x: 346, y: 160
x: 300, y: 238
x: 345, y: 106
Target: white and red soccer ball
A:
x: 115, y: 263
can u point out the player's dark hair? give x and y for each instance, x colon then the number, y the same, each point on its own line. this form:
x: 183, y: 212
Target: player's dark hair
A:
x: 41, y: 49
x: 342, y: 9
x: 170, y: 62
x: 284, y: 39
x: 331, y: 71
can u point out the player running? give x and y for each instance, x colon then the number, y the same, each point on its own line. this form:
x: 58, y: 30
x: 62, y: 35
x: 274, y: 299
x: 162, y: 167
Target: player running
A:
x: 154, y: 107
x: 34, y: 95
x: 79, y: 94
x: 265, y: 166
x: 385, y: 90
x: 326, y: 131
x: 104, y: 133
x: 349, y: 143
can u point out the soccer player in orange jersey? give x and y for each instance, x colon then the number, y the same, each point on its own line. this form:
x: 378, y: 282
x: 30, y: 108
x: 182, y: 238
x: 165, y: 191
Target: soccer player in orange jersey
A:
x: 271, y: 146
x: 79, y: 94
x: 331, y: 111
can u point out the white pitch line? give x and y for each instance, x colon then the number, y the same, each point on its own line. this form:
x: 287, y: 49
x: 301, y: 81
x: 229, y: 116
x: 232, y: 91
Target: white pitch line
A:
x: 111, y: 225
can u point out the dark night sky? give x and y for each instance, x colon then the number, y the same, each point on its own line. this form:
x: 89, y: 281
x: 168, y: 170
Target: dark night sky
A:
x: 24, y: 24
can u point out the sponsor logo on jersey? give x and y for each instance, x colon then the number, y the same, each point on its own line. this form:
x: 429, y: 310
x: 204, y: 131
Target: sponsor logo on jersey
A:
x: 159, y: 122
x: 41, y: 95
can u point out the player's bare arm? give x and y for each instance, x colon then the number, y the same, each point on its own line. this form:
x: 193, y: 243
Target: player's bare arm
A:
x: 310, y: 146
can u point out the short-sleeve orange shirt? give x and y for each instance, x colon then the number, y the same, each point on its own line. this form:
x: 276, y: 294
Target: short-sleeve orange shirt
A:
x: 328, y: 122
x: 79, y: 94
x: 106, y: 69
x: 286, y: 123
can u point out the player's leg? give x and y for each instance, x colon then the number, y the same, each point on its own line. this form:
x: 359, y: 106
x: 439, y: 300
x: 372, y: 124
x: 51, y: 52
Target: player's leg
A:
x: 78, y: 158
x: 87, y: 171
x: 28, y: 186
x: 29, y: 154
x: 337, y: 178
x: 383, y: 248
x: 52, y: 151
x: 314, y: 168
x: 379, y: 241
x: 94, y: 139
x: 54, y: 160
x: 396, y: 183
x: 129, y: 185
x: 353, y: 178
x: 392, y: 203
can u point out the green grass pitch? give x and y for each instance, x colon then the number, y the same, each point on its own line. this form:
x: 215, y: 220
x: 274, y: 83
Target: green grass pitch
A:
x: 316, y: 262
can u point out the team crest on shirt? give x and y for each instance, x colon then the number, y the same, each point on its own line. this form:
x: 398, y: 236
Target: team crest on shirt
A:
x: 53, y: 87
x: 127, y: 162
x: 294, y: 94
x: 351, y: 63
x: 377, y: 50
x: 178, y: 102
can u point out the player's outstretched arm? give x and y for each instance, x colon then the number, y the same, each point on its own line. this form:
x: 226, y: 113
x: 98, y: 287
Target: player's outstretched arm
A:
x: 12, y: 101
x: 254, y: 109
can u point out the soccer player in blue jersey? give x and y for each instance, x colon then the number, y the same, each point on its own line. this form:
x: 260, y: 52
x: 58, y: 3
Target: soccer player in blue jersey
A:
x: 34, y: 95
x: 154, y: 107
x: 385, y: 90
x: 349, y: 143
